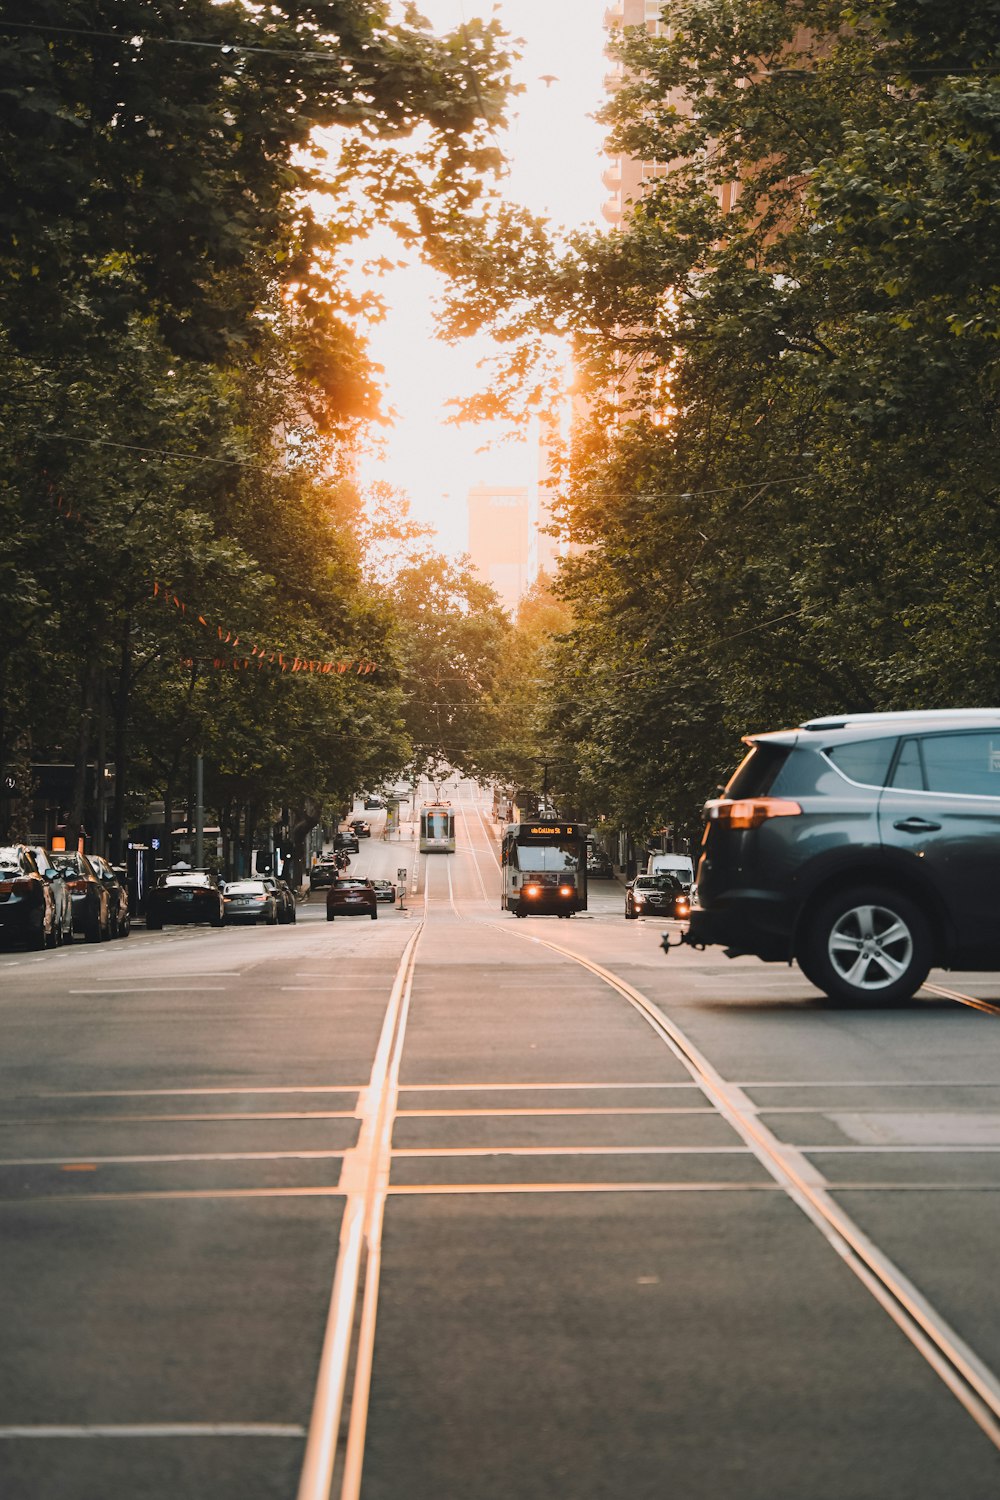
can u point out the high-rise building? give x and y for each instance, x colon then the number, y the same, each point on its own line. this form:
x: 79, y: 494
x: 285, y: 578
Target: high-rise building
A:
x: 625, y: 177
x: 500, y: 538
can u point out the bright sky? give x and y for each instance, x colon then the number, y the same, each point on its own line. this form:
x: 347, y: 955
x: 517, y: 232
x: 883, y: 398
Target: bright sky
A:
x: 556, y: 164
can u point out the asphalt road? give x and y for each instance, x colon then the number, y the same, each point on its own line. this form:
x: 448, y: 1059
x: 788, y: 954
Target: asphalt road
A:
x: 455, y: 1207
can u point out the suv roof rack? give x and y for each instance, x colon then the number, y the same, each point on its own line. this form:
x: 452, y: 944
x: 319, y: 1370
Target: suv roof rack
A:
x: 905, y: 715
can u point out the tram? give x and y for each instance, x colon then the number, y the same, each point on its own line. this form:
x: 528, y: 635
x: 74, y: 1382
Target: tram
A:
x: 437, y: 828
x: 544, y: 868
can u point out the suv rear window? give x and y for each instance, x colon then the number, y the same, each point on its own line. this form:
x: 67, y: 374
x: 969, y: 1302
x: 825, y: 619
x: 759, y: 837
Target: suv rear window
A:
x: 864, y: 761
x: 758, y: 771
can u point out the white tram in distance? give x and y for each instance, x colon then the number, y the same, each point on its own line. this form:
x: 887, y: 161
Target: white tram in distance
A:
x: 437, y: 828
x: 544, y: 868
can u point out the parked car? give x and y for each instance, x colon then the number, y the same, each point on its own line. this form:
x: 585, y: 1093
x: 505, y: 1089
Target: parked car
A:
x: 866, y: 846
x: 284, y: 896
x: 384, y: 891
x: 27, y: 902
x: 656, y: 896
x: 184, y: 896
x: 251, y: 900
x: 116, y: 886
x: 61, y: 897
x: 89, y: 895
x: 361, y: 828
x: 346, y: 839
x: 599, y: 864
x: 351, y: 898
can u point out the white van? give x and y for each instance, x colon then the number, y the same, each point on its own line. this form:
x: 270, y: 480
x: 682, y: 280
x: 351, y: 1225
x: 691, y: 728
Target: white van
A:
x: 672, y: 864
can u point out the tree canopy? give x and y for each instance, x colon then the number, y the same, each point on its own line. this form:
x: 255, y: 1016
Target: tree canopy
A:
x: 785, y: 485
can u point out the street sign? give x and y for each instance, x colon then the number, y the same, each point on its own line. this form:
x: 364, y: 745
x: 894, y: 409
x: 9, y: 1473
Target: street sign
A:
x: 401, y: 874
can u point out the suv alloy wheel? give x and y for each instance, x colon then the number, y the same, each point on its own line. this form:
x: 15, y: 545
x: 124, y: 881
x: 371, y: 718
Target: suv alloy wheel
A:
x: 870, y: 945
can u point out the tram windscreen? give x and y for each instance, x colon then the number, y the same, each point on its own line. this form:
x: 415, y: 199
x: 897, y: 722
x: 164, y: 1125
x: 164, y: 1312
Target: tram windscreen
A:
x: 548, y: 857
x: 436, y: 825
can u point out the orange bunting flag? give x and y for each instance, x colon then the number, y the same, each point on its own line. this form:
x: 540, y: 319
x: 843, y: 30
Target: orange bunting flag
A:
x: 272, y: 658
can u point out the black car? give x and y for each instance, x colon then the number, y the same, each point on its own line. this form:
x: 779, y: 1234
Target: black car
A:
x: 27, y: 904
x: 361, y: 828
x: 91, y: 902
x: 284, y: 896
x: 599, y: 865
x: 373, y: 804
x: 384, y: 891
x: 865, y: 846
x: 324, y: 872
x: 346, y: 839
x: 184, y: 896
x: 656, y: 896
x: 119, y: 917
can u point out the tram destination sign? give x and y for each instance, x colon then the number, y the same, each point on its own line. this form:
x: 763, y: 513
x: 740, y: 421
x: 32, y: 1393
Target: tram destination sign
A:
x: 550, y: 830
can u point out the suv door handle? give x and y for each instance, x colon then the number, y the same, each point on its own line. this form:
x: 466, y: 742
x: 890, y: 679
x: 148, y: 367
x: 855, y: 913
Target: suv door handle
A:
x: 917, y: 825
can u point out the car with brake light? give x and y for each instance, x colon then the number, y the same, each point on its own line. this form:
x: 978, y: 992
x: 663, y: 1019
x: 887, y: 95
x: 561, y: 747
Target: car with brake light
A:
x: 27, y: 904
x: 864, y: 846
x: 250, y: 900
x: 183, y: 896
x: 351, y: 898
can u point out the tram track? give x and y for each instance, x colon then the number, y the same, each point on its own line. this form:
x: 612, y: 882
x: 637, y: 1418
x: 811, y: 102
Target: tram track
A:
x: 350, y: 1339
x: 970, y: 1381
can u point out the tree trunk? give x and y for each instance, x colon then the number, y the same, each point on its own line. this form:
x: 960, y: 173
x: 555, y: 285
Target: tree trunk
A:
x: 78, y: 797
x: 123, y: 694
x: 306, y: 818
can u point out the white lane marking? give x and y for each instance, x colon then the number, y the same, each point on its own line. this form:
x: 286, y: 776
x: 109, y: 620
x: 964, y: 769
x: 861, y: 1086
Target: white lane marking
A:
x: 535, y: 1088
x: 489, y: 836
x: 446, y: 1151
x: 153, y: 1195
x: 456, y: 1189
x: 364, y: 1177
x: 969, y: 1379
x: 451, y: 890
x: 159, y: 1430
x: 496, y: 1114
x: 871, y: 1083
x: 159, y: 989
x: 475, y: 854
x: 307, y: 1088
x: 303, y: 1114
x: 169, y: 1157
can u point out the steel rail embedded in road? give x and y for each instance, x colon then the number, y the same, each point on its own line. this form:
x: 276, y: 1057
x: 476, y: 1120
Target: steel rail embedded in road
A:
x: 972, y: 1383
x: 987, y: 1006
x: 364, y: 1177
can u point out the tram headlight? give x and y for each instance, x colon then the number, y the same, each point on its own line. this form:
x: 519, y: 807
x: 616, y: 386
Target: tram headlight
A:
x: 532, y: 890
x: 566, y: 890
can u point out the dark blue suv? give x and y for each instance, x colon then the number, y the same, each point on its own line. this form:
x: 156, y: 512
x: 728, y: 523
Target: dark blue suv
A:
x: 866, y: 847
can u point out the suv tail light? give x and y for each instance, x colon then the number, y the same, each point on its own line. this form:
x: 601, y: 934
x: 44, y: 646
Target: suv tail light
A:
x: 751, y: 812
